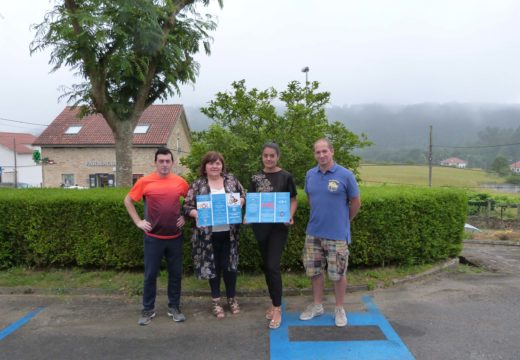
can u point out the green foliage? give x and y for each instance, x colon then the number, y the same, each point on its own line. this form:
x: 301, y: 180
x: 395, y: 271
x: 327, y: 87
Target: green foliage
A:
x: 501, y: 166
x: 91, y: 229
x: 36, y: 156
x: 513, y: 179
x: 124, y: 49
x: 246, y: 119
x: 129, y: 53
x: 399, y: 225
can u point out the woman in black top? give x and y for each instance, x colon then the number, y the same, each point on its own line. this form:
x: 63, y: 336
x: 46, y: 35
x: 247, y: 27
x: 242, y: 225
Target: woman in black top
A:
x: 273, y: 237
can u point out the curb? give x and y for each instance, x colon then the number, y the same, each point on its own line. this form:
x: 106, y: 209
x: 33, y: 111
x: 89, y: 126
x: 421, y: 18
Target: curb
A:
x: 493, y: 242
x: 446, y: 265
x: 476, y: 261
x: 204, y: 293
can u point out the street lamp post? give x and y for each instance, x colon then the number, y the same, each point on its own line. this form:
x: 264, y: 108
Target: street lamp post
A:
x: 306, y: 71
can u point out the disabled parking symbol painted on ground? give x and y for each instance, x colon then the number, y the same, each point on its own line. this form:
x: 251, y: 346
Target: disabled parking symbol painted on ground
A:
x: 368, y: 336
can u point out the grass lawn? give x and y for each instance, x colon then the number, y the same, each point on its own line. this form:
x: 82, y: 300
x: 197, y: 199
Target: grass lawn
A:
x: 59, y: 281
x: 418, y: 175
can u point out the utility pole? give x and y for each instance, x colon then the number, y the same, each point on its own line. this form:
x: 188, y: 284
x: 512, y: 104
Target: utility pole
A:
x: 15, y: 164
x: 430, y: 160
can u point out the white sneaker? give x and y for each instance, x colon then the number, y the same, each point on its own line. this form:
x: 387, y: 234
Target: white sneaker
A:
x: 312, y: 311
x: 340, y: 317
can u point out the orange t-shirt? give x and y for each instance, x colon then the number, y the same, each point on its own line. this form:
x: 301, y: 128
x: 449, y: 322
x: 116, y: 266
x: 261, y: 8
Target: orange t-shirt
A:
x: 161, y: 202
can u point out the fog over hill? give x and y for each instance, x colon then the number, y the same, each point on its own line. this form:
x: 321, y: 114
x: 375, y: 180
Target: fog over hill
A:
x: 400, y: 133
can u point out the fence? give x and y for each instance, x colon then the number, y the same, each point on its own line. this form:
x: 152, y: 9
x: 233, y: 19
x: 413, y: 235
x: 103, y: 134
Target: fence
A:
x: 490, y: 209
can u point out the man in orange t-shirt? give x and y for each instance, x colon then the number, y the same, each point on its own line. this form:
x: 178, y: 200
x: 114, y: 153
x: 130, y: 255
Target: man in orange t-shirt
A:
x: 161, y: 191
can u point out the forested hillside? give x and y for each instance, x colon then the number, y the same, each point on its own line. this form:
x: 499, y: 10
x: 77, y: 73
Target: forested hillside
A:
x: 476, y: 133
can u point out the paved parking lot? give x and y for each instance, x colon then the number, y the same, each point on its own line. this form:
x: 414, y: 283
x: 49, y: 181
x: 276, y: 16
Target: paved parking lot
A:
x: 451, y: 315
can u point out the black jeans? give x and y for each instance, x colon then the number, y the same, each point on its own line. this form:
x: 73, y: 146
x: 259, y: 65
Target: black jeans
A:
x: 221, y: 247
x: 271, y: 241
x: 154, y: 250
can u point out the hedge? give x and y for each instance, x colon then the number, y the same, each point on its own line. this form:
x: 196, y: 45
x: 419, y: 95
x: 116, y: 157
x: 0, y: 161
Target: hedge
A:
x: 91, y: 229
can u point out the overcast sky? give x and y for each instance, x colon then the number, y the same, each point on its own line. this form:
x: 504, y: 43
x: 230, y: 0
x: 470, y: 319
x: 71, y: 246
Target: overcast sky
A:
x: 362, y: 51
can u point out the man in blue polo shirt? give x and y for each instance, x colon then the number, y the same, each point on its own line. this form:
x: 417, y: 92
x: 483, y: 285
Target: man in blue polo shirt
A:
x: 334, y: 200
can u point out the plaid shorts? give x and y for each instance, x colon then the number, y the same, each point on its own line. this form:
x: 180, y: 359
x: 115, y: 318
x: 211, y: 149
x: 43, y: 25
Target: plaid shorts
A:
x: 320, y: 253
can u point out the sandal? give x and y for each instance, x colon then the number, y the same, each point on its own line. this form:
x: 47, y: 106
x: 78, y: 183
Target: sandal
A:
x: 217, y: 310
x: 269, y: 313
x: 275, y: 323
x: 233, y: 306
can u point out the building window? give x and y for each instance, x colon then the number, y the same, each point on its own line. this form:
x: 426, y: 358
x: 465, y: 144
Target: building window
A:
x: 67, y: 180
x: 101, y: 180
x: 136, y: 177
x: 141, y: 129
x: 73, y: 130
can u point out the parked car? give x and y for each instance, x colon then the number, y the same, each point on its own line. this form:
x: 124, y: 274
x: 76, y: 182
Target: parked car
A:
x: 75, y: 187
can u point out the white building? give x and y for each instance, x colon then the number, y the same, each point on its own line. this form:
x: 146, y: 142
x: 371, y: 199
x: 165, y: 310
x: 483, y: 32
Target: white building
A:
x: 19, y: 164
x: 515, y: 167
x: 454, y: 162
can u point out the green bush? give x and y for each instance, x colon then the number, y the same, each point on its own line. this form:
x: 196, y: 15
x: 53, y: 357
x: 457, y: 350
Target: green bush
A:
x: 513, y: 179
x: 91, y: 229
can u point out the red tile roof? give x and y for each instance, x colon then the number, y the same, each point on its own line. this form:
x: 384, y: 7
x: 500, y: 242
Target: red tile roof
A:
x: 23, y: 142
x: 95, y: 130
x: 515, y: 165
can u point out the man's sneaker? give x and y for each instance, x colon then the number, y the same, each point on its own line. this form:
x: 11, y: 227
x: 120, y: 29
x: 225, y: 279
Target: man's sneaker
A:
x: 340, y: 318
x: 146, y: 317
x: 312, y: 311
x: 175, y: 313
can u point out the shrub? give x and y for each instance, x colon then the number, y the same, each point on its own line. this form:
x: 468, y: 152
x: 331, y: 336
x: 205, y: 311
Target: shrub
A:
x: 91, y: 228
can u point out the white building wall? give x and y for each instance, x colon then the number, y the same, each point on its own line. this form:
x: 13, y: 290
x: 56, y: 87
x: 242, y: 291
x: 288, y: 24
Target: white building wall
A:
x: 28, y: 171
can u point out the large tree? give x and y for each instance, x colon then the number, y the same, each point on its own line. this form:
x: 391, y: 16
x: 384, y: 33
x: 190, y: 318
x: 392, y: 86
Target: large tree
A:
x: 129, y: 53
x: 245, y: 119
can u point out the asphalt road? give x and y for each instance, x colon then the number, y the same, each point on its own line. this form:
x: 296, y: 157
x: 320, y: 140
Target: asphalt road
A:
x: 450, y: 315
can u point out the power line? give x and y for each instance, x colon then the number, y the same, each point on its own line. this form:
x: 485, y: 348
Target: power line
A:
x: 19, y: 166
x: 475, y: 146
x: 15, y: 126
x: 423, y: 165
x: 22, y: 122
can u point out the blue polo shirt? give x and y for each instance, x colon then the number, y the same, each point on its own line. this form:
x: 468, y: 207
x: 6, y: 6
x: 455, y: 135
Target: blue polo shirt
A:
x: 329, y: 194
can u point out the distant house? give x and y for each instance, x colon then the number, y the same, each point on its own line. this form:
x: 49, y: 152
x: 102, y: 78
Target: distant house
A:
x: 515, y: 167
x: 454, y: 162
x: 18, y: 164
x: 81, y: 151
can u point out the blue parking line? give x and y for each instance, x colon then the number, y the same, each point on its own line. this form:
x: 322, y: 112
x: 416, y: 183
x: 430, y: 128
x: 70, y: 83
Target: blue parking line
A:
x: 18, y: 324
x: 281, y: 347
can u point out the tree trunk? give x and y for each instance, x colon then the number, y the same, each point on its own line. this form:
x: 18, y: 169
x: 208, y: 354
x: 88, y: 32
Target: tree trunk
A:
x: 123, y: 135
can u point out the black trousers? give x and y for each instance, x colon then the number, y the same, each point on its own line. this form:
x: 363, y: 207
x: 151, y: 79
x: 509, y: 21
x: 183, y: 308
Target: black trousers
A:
x: 221, y: 247
x: 271, y: 240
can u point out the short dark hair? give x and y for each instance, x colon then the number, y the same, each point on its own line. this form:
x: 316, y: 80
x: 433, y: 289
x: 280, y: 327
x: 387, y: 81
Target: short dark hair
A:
x: 163, y: 151
x: 272, y: 145
x: 211, y: 156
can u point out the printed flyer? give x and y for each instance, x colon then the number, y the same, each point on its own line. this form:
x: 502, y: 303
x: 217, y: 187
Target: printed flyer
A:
x: 219, y: 209
x: 268, y: 207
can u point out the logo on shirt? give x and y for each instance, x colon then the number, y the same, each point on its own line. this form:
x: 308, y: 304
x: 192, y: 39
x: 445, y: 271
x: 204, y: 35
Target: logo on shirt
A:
x: 333, y: 185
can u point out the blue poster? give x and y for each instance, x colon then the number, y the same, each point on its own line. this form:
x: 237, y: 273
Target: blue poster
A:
x: 267, y: 202
x: 234, y: 210
x: 268, y: 207
x: 205, y: 216
x: 253, y: 207
x: 219, y: 209
x: 282, y: 207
